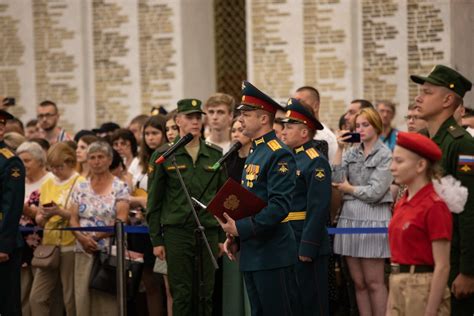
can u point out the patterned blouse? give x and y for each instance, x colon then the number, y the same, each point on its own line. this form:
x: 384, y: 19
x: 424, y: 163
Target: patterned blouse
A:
x: 96, y: 209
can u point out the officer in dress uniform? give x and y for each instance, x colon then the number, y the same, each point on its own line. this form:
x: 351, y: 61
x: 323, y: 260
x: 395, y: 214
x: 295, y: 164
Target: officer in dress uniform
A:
x: 12, y: 192
x: 267, y: 242
x: 441, y: 92
x: 172, y: 229
x: 310, y: 208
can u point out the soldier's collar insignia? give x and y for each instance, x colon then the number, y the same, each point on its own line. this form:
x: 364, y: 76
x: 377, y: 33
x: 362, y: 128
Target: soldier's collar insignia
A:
x: 320, y: 174
x: 290, y: 102
x: 15, y: 172
x: 259, y: 141
x: 151, y: 169
x: 283, y: 167
x: 299, y: 149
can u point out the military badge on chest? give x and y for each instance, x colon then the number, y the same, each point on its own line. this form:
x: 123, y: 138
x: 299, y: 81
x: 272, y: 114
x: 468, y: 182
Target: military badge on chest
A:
x: 251, y: 174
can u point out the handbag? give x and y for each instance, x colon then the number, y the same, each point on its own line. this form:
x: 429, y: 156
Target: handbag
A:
x: 48, y: 256
x: 103, y: 275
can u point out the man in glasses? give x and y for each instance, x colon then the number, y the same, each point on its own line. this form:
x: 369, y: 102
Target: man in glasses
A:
x: 48, y: 116
x: 414, y: 123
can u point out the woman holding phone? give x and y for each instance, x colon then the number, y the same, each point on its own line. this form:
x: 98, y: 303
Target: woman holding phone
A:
x: 53, y: 213
x: 362, y: 174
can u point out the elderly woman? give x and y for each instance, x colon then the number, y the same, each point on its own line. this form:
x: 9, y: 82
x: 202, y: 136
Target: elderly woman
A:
x: 99, y: 201
x: 53, y: 214
x: 362, y: 174
x: 34, y: 159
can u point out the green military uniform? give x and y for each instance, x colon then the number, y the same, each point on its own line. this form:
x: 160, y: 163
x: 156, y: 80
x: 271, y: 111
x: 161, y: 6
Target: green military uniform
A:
x: 309, y: 215
x: 457, y: 146
x: 267, y: 245
x: 170, y: 222
x: 12, y: 194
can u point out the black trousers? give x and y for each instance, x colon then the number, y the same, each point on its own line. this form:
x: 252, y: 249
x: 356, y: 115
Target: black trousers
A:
x: 10, y: 285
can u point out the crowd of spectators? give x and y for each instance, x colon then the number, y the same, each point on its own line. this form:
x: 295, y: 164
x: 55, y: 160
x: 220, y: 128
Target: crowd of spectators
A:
x: 100, y: 175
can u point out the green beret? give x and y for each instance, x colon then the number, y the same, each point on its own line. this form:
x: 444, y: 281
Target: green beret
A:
x: 444, y: 76
x: 188, y: 106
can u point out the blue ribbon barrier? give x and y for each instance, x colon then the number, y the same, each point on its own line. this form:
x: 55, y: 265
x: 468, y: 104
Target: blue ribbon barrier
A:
x: 144, y: 230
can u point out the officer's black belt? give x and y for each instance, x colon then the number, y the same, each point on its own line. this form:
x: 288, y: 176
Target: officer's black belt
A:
x: 407, y: 268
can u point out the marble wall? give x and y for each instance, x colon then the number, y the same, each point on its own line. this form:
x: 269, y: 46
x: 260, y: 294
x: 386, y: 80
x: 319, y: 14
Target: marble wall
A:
x: 352, y: 49
x: 109, y: 60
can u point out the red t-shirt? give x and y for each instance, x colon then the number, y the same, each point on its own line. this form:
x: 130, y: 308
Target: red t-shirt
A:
x: 415, y: 224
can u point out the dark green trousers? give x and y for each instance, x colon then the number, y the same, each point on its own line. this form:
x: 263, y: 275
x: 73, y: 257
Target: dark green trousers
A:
x: 463, y: 307
x: 312, y: 280
x: 181, y: 250
x: 273, y: 292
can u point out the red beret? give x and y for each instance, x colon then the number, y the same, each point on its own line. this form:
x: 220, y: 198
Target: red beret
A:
x: 420, y: 145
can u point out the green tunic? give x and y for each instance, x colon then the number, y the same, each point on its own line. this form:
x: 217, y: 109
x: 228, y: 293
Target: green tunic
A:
x: 172, y: 225
x: 457, y: 146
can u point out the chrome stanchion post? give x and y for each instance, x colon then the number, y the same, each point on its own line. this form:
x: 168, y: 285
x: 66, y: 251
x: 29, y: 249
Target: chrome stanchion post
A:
x: 121, y: 286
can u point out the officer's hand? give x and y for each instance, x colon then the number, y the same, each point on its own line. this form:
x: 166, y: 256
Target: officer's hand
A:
x: 305, y: 259
x: 230, y: 247
x: 159, y: 251
x: 221, y: 250
x: 4, y: 257
x: 229, y: 226
x: 463, y: 286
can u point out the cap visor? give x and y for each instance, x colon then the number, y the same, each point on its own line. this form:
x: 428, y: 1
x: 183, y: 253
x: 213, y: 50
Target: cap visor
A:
x: 245, y: 107
x: 318, y: 125
x: 422, y: 80
x: 193, y: 111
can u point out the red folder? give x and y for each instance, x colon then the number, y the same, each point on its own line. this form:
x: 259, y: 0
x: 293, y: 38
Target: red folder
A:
x: 236, y: 201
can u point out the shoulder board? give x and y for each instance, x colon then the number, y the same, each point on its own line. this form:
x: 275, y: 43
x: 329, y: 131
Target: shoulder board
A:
x: 274, y: 145
x: 7, y: 153
x: 456, y: 131
x: 312, y: 153
x: 213, y: 146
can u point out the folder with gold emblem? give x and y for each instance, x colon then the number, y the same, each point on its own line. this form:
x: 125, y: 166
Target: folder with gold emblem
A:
x: 236, y: 201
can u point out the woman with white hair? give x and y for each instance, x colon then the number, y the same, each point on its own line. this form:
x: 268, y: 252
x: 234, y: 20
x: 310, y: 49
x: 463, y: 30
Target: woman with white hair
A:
x: 99, y: 201
x: 34, y: 159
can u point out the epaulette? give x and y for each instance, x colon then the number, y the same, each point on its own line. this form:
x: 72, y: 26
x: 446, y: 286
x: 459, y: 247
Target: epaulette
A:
x: 456, y: 131
x: 312, y: 153
x: 274, y: 145
x: 7, y: 153
x: 213, y: 146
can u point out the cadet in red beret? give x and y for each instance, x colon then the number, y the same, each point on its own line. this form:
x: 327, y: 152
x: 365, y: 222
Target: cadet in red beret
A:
x: 419, y: 232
